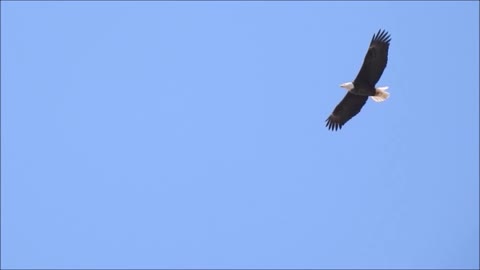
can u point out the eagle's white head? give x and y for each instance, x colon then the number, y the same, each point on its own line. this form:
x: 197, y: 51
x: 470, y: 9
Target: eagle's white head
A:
x: 348, y: 86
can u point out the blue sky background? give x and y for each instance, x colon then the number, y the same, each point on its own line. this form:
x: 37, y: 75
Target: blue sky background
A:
x: 192, y: 135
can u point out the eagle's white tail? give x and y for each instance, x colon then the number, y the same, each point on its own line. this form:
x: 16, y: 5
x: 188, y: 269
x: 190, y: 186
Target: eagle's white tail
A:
x: 381, y: 94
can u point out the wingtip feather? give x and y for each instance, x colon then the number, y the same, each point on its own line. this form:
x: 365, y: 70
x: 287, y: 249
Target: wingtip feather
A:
x: 382, y: 36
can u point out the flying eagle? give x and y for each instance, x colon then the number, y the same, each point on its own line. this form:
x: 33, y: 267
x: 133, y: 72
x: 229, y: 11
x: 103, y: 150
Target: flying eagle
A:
x: 364, y: 84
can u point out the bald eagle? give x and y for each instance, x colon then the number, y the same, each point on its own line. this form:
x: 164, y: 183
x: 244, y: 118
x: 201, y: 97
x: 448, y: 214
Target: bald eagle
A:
x: 364, y: 84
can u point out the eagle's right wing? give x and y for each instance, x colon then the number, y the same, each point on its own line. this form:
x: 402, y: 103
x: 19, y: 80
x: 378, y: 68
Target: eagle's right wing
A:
x: 350, y: 106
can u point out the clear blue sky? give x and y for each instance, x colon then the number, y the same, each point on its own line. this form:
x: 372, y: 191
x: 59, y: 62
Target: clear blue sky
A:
x: 192, y: 135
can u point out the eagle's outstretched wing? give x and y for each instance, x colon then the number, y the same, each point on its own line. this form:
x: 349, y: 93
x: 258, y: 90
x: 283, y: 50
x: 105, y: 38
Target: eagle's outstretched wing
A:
x: 350, y: 106
x: 375, y: 60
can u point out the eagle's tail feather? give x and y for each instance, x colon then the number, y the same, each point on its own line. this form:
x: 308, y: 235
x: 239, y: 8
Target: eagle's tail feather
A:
x: 381, y: 94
